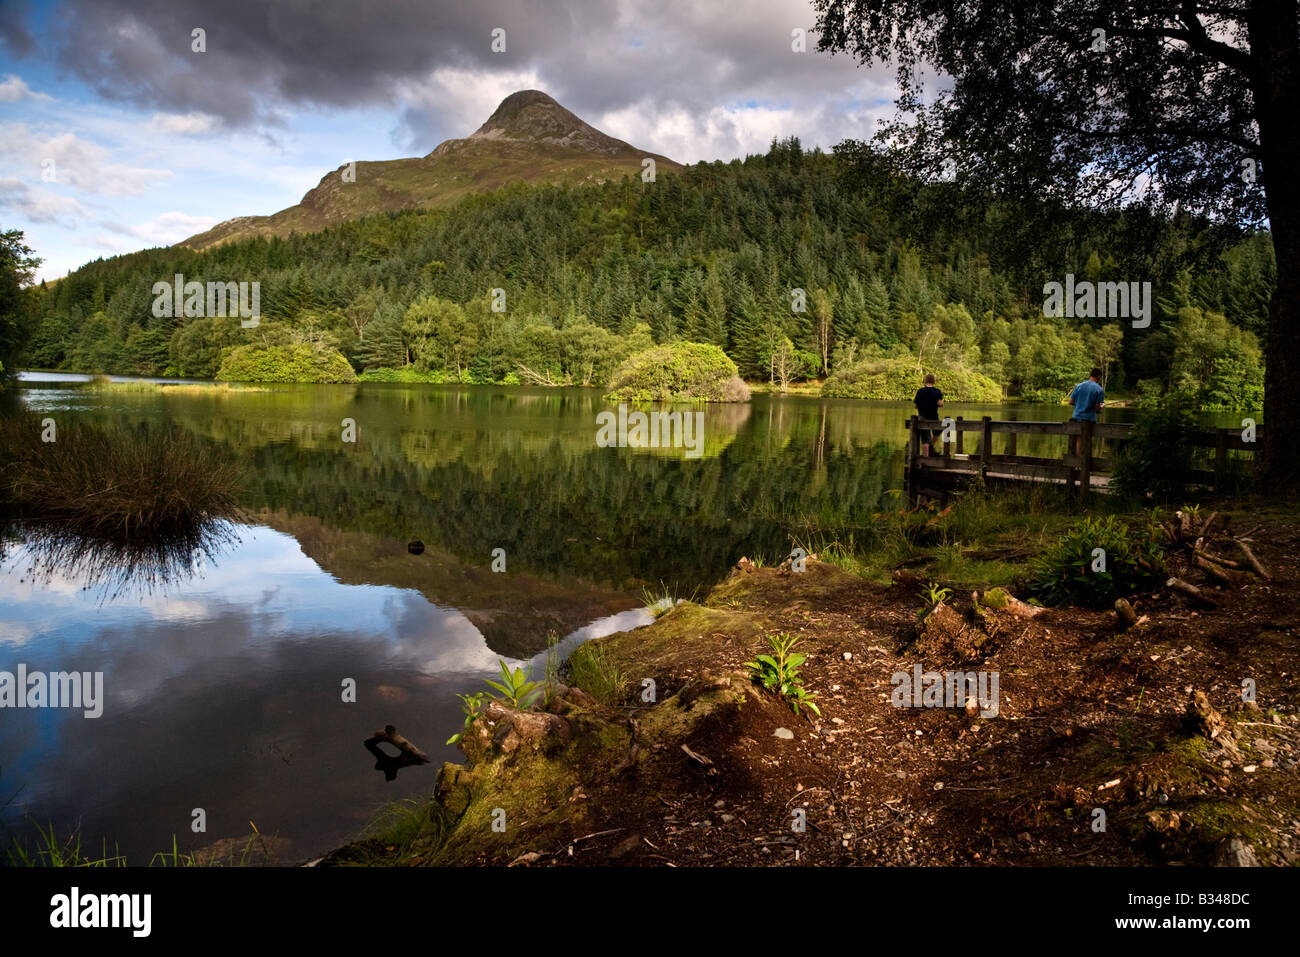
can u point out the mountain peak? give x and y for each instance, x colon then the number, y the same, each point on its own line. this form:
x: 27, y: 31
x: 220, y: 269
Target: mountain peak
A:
x: 531, y: 116
x: 529, y: 138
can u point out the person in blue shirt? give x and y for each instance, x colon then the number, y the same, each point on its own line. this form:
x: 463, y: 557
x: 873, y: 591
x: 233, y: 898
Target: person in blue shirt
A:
x: 1087, y: 398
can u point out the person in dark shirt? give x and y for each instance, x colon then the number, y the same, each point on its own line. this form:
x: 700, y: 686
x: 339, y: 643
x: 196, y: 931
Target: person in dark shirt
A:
x: 927, y: 402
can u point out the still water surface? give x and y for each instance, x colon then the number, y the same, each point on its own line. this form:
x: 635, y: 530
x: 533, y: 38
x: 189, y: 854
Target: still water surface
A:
x: 222, y: 685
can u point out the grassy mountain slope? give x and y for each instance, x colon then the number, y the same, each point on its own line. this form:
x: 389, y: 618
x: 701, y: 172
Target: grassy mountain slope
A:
x: 529, y: 138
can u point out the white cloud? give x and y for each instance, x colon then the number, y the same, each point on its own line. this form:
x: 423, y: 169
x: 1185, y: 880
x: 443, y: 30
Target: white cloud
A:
x: 40, y: 205
x: 13, y: 90
x: 73, y: 161
x: 184, y: 124
x: 164, y: 229
x: 456, y: 101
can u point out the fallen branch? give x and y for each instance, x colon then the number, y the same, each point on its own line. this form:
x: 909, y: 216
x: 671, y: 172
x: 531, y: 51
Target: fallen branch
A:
x: 1192, y: 592
x: 1221, y: 575
x: 390, y: 736
x: 538, y: 379
x: 1225, y: 562
x: 697, y: 757
x: 1259, y: 569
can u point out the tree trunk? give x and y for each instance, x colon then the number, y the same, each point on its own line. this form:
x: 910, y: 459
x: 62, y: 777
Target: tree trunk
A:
x: 1276, y: 87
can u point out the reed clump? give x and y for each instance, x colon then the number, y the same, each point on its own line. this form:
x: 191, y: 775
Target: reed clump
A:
x: 117, y: 481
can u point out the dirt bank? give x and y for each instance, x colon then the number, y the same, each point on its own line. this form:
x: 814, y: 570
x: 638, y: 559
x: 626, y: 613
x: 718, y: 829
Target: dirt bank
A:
x: 1091, y: 720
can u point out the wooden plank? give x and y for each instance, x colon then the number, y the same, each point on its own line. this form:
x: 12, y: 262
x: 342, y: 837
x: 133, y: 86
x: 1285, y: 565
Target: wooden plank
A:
x: 960, y: 450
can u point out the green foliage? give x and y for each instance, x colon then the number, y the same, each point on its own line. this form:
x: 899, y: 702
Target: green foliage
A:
x: 779, y: 672
x: 516, y: 690
x: 407, y: 374
x: 17, y: 266
x: 599, y: 273
x: 898, y: 379
x: 932, y: 594
x: 1065, y: 575
x: 678, y: 370
x: 299, y: 363
x: 592, y: 669
x: 1157, y: 456
x: 1216, y: 364
x: 472, y: 706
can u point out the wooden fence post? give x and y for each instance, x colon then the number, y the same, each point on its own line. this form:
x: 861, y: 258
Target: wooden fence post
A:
x: 1220, y: 458
x: 986, y: 447
x: 959, y: 440
x: 1085, y: 473
x: 913, y: 459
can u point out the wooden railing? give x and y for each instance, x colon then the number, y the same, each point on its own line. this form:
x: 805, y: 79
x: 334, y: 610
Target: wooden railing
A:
x: 1078, y: 467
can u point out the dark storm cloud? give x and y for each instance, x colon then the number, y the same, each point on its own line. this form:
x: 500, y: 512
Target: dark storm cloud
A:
x: 14, y: 35
x: 292, y: 52
x: 421, y: 56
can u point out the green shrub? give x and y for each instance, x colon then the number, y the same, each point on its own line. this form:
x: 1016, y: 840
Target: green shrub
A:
x: 300, y: 363
x: 897, y: 380
x: 1158, y: 455
x: 408, y: 374
x: 678, y: 370
x: 1065, y: 575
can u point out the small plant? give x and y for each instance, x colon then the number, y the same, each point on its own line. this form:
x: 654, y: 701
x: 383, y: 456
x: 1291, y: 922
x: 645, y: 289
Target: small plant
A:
x: 1155, y: 525
x: 779, y: 672
x: 517, y: 690
x: 591, y: 668
x: 553, y: 663
x: 1095, y: 562
x: 472, y: 706
x: 932, y: 595
x: 658, y: 605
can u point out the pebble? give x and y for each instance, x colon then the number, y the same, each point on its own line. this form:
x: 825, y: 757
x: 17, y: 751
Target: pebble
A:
x: 1250, y: 769
x: 1266, y: 763
x: 837, y: 720
x: 848, y: 656
x: 719, y: 803
x: 785, y: 734
x: 728, y: 818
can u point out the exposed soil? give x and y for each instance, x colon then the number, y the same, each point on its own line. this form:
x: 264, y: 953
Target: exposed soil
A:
x: 1089, y: 717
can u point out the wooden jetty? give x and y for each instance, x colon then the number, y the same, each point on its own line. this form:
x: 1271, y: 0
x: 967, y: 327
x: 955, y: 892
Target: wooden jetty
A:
x: 949, y: 466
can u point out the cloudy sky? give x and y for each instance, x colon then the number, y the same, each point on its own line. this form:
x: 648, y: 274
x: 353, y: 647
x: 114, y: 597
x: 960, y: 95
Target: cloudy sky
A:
x: 116, y: 135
